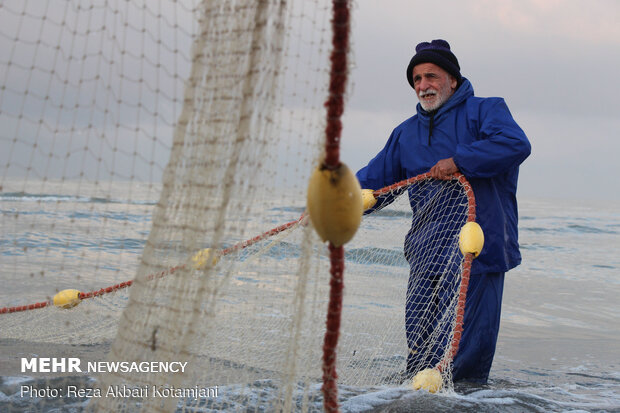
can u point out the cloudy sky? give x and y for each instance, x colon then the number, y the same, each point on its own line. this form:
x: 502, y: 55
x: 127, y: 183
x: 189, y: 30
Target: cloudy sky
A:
x: 555, y: 62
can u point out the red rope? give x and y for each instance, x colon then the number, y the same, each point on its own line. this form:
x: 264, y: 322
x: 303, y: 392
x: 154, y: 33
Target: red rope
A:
x: 6, y: 310
x: 337, y: 82
x: 106, y: 290
x: 332, y: 331
x: 466, y: 272
x: 169, y: 271
x: 263, y: 236
x: 460, y: 312
x: 333, y: 129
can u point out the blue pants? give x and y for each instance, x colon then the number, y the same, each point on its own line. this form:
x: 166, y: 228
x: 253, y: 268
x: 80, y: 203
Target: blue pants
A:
x: 480, y: 325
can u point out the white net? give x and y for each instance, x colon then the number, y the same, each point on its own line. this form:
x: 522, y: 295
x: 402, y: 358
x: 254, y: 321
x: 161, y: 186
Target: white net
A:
x: 136, y: 134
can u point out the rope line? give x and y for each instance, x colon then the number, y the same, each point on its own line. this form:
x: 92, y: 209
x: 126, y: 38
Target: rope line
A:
x: 237, y: 247
x: 332, y: 330
x: 335, y: 108
x: 337, y: 82
x: 336, y: 282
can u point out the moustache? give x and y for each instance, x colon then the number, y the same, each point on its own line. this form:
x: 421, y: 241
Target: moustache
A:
x: 428, y: 92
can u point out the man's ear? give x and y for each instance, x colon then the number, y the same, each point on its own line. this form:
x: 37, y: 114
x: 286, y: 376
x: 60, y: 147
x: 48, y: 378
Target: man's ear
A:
x: 453, y: 82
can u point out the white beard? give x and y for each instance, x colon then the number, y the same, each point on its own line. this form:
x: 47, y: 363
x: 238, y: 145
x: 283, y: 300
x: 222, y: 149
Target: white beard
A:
x: 440, y: 98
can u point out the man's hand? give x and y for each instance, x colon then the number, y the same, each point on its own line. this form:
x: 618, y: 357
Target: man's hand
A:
x: 368, y: 199
x: 444, y: 168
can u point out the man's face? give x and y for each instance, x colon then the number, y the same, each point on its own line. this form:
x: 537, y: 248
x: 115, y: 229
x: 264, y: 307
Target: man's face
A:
x: 433, y: 85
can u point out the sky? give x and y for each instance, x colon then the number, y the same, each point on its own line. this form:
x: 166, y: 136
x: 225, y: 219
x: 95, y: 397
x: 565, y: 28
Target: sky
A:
x: 555, y: 62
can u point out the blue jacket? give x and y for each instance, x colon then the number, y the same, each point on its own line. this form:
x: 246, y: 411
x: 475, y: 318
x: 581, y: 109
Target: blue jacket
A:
x: 486, y: 144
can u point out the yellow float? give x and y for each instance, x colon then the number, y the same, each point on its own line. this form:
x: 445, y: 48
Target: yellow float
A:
x: 335, y: 204
x: 205, y: 257
x: 67, y: 298
x: 427, y: 379
x: 471, y: 239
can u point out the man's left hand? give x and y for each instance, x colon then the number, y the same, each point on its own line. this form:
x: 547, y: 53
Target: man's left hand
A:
x: 444, y: 169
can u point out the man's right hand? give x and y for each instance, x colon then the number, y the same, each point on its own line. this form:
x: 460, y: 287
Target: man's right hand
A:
x: 444, y: 169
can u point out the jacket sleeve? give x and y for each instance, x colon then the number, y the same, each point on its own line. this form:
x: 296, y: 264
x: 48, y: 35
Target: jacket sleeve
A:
x: 383, y: 170
x: 500, y: 146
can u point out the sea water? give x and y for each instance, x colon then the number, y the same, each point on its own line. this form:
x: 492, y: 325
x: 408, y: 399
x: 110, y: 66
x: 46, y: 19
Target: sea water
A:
x: 559, y: 342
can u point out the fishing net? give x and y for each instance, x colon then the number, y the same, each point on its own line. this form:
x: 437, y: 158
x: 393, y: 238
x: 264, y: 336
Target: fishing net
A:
x: 166, y: 147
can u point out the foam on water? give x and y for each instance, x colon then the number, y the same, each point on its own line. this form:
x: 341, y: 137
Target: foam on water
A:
x: 504, y: 396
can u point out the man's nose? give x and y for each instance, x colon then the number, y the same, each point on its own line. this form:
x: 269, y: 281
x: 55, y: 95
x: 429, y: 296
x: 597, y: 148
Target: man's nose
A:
x: 424, y: 84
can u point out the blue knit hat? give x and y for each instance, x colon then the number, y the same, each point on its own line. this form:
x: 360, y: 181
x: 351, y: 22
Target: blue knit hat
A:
x: 437, y: 52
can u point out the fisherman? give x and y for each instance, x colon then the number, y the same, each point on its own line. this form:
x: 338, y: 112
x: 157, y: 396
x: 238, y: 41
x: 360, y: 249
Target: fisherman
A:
x: 455, y: 131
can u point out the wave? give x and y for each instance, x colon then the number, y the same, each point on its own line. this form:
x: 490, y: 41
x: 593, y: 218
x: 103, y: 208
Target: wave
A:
x: 571, y: 229
x: 41, y: 242
x: 109, y: 215
x: 84, y: 215
x: 27, y: 197
x: 499, y: 395
x: 296, y: 209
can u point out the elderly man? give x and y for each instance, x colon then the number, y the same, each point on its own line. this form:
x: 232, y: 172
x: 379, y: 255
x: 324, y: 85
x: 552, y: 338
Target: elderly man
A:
x: 455, y: 131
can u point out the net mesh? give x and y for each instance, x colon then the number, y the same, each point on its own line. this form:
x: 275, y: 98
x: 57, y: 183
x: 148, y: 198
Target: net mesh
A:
x: 137, y: 134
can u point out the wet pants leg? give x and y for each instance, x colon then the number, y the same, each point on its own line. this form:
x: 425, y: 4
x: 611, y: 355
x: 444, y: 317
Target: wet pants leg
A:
x: 480, y: 328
